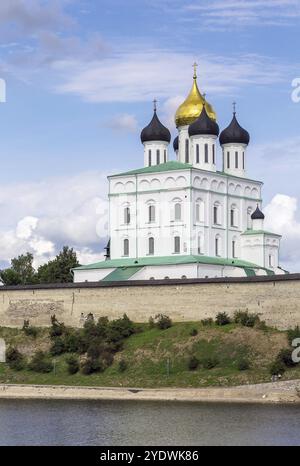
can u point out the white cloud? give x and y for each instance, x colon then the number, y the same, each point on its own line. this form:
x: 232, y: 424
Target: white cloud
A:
x: 123, y: 122
x: 281, y: 217
x: 224, y: 14
x: 42, y: 217
x: 140, y: 76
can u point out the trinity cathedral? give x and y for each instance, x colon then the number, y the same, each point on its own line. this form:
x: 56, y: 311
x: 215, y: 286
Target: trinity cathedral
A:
x: 182, y: 218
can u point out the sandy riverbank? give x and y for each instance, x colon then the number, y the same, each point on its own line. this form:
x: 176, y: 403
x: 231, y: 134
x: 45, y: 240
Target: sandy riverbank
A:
x: 279, y: 392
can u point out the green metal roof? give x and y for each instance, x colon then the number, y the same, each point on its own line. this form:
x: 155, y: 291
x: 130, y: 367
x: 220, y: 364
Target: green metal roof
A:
x: 259, y: 232
x: 163, y: 167
x: 168, y: 260
x: 121, y: 273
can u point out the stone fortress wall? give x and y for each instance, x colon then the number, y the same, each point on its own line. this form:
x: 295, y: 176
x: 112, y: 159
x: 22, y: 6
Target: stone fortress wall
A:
x: 275, y: 298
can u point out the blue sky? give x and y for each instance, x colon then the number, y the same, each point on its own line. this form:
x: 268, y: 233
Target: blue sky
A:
x: 81, y: 77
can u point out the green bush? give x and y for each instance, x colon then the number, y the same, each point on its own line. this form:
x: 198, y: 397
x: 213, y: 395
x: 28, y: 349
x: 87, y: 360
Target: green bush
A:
x: 243, y: 364
x: 285, y: 357
x: 58, y: 347
x: 57, y: 329
x: 89, y: 366
x: 293, y: 333
x: 29, y: 330
x: 163, y: 322
x: 277, y: 368
x: 15, y: 359
x: 207, y: 322
x: 222, y: 318
x: 245, y: 318
x: 193, y: 363
x: 73, y: 364
x: 193, y: 332
x: 41, y: 363
x: 209, y: 362
x: 122, y: 366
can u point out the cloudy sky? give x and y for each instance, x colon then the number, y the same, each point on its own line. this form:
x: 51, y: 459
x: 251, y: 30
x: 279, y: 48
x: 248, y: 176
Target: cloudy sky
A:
x: 80, y: 78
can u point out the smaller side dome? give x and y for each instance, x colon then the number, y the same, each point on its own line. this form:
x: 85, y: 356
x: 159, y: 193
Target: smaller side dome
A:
x: 234, y: 133
x: 155, y: 131
x: 204, y: 125
x: 257, y: 214
x: 176, y: 144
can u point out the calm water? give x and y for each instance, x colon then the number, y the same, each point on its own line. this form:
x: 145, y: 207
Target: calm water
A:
x: 146, y: 423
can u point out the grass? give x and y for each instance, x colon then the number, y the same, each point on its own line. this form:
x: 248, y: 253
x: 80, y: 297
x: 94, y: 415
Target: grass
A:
x: 159, y: 358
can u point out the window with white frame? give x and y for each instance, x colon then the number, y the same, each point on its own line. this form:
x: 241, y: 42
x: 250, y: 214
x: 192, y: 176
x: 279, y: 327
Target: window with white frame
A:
x: 199, y: 210
x: 200, y: 243
x: 217, y: 246
x: 151, y: 246
x: 216, y: 213
x: 177, y: 244
x: 126, y: 247
x: 127, y: 215
x: 151, y: 213
x: 177, y: 212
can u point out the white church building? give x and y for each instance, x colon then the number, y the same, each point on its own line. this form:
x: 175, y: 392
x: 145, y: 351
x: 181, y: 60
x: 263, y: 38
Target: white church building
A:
x: 182, y: 218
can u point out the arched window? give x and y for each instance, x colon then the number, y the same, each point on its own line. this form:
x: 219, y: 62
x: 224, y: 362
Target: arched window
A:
x: 206, y: 153
x: 216, y: 214
x: 149, y: 158
x: 236, y: 160
x: 197, y: 153
x: 270, y: 261
x: 249, y: 219
x: 187, y: 150
x: 184, y: 277
x: 126, y: 247
x: 157, y: 157
x: 165, y: 156
x: 151, y: 213
x: 200, y: 244
x: 177, y: 244
x: 127, y: 215
x: 199, y: 210
x: 177, y: 211
x: 228, y: 159
x: 234, y: 248
x: 151, y: 246
x: 214, y: 154
x: 217, y: 246
x: 232, y: 217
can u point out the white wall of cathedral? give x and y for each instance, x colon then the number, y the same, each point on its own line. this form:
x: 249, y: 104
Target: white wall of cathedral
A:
x: 234, y: 159
x: 155, y: 153
x: 203, y: 152
x: 206, y: 211
x: 81, y: 276
x: 261, y: 249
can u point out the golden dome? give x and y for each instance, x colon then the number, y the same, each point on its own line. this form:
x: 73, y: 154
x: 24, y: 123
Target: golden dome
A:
x: 191, y: 108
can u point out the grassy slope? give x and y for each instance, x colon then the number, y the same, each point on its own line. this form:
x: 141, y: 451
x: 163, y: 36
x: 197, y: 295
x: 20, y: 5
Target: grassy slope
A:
x: 147, y: 353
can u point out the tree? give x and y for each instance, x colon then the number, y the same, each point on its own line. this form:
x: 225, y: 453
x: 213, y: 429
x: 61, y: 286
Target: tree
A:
x: 10, y: 278
x: 21, y: 271
x: 59, y: 269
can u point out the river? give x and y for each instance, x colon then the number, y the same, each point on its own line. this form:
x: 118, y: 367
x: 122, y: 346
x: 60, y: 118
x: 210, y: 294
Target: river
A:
x: 146, y: 423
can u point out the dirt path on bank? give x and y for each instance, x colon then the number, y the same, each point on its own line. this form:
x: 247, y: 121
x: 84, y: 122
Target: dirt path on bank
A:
x: 279, y: 392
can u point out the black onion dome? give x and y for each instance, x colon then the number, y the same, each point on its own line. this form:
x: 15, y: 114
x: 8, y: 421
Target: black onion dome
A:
x: 155, y: 131
x: 204, y: 125
x: 234, y: 133
x: 257, y: 215
x: 176, y: 144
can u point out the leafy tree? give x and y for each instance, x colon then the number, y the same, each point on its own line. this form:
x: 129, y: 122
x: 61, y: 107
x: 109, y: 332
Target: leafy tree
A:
x: 21, y: 271
x: 59, y: 269
x: 10, y: 277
